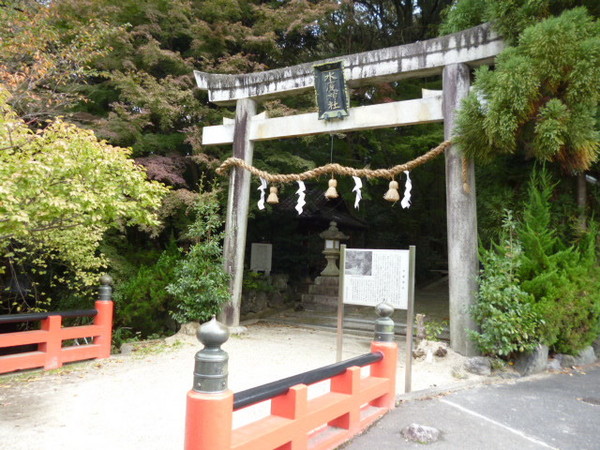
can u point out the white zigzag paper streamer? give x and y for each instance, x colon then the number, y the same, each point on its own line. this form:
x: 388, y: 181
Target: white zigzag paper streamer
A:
x: 357, y: 188
x: 301, y: 195
x: 405, y: 203
x: 262, y: 188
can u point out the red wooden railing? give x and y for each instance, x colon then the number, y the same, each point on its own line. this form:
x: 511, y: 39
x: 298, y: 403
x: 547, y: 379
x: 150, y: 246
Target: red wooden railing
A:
x: 296, y: 422
x: 50, y: 353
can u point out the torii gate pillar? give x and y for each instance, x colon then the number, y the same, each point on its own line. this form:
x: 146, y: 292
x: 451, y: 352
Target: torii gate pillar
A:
x: 461, y: 210
x: 236, y: 222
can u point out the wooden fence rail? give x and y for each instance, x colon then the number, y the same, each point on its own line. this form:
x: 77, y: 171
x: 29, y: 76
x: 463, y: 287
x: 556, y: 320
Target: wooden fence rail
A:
x: 50, y: 338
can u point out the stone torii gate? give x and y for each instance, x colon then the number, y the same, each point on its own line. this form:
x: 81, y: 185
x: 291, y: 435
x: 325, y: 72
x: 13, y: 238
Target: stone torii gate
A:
x: 453, y: 56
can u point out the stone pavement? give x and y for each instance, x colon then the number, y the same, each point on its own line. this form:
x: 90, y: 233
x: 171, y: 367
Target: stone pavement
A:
x: 138, y: 401
x: 560, y: 411
x: 135, y: 401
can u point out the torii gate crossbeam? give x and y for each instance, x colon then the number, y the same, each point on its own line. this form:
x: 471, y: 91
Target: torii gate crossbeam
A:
x: 452, y: 56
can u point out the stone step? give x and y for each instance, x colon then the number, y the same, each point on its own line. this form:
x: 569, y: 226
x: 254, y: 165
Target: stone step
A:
x: 317, y: 289
x: 328, y: 321
x: 351, y: 325
x: 327, y: 281
x: 320, y: 299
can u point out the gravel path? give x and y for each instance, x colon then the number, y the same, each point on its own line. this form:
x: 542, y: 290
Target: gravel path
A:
x: 138, y: 400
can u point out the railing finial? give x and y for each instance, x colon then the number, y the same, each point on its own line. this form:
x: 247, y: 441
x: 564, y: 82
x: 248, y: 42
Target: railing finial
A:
x: 210, y: 370
x: 105, y: 290
x: 384, y: 325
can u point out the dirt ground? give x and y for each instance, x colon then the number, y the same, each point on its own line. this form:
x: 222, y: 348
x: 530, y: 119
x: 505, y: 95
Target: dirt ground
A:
x: 138, y: 400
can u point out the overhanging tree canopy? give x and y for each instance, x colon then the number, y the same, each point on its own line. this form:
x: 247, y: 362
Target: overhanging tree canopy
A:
x: 542, y: 97
x: 61, y: 189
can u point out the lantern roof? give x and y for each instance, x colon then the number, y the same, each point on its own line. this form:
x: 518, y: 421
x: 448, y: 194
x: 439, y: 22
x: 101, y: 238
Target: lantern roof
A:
x: 332, y: 233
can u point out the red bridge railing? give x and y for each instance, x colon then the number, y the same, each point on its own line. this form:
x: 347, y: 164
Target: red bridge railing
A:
x: 50, y: 353
x: 295, y: 422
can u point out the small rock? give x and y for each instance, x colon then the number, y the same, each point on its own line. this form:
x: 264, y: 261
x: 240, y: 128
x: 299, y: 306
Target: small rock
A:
x: 532, y: 362
x: 441, y: 352
x: 173, y: 340
x: 508, y: 375
x: 236, y: 331
x: 276, y: 299
x: 553, y: 364
x: 429, y: 349
x: 586, y: 356
x: 459, y: 373
x: 420, y: 433
x: 596, y: 347
x: 254, y: 301
x: 418, y: 352
x: 189, y: 329
x: 279, y: 281
x: 126, y: 349
x: 479, y: 365
x: 565, y: 360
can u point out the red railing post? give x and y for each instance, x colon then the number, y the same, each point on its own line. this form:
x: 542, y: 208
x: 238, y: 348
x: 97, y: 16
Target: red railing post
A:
x: 208, y: 420
x: 292, y: 405
x: 386, y: 368
x: 52, y: 345
x: 104, y: 318
x: 347, y: 383
x: 209, y: 414
x: 384, y: 343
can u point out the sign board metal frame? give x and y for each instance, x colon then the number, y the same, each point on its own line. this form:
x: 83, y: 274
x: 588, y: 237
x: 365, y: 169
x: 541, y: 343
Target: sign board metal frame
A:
x: 410, y: 300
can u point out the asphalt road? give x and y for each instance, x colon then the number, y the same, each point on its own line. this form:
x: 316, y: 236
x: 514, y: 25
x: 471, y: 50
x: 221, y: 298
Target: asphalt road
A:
x: 559, y: 411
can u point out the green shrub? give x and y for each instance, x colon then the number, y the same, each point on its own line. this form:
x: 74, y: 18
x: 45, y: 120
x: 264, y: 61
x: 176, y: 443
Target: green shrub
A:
x: 201, y: 285
x: 142, y: 302
x: 562, y: 278
x: 504, y: 312
x: 534, y: 287
x: 254, y: 281
x: 434, y: 328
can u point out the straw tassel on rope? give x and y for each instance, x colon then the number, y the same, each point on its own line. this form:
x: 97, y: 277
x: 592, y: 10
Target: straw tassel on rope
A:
x: 392, y: 195
x: 331, y: 190
x: 272, y: 199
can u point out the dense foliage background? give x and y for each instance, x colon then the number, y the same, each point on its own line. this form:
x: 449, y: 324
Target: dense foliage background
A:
x: 123, y: 70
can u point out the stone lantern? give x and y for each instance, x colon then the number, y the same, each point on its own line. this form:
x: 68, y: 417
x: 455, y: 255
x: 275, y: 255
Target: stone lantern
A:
x: 332, y: 237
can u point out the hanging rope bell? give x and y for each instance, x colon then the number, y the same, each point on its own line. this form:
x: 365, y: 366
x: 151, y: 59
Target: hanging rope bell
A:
x: 392, y: 195
x: 331, y: 190
x: 272, y: 198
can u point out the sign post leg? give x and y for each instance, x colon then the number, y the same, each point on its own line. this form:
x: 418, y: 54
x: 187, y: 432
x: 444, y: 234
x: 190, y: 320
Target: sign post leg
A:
x: 340, y: 317
x: 410, y: 312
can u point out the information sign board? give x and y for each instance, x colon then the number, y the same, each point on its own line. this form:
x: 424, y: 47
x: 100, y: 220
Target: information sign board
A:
x: 373, y: 276
x: 369, y: 277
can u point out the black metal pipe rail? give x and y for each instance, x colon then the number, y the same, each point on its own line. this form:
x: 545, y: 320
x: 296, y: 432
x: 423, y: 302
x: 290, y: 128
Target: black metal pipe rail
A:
x: 29, y: 317
x: 267, y: 391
